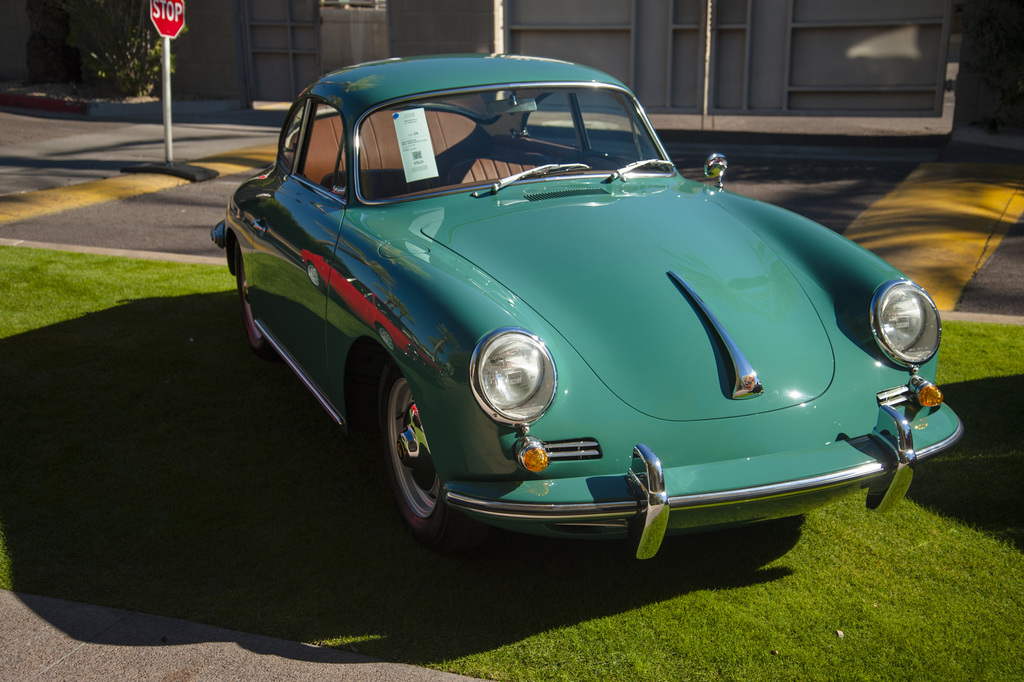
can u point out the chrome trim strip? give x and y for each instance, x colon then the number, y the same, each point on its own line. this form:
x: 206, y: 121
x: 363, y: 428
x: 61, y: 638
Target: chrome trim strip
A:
x: 553, y: 513
x: 582, y: 448
x: 862, y: 472
x: 319, y: 189
x: 894, y: 396
x: 309, y: 383
x: 567, y: 512
x: 932, y: 450
x: 747, y: 385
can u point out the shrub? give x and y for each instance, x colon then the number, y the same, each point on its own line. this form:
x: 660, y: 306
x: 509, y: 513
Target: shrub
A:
x: 996, y: 32
x: 118, y: 42
x: 49, y: 57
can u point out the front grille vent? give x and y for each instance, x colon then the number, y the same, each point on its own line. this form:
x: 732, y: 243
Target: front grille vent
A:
x: 894, y: 396
x: 583, y: 448
x: 562, y: 194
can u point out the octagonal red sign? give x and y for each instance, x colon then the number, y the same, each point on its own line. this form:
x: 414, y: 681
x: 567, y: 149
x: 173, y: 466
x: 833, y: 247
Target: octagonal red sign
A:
x: 168, y: 16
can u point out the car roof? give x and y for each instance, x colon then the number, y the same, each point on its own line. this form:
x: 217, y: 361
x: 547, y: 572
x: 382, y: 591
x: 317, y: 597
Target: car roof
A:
x: 358, y: 88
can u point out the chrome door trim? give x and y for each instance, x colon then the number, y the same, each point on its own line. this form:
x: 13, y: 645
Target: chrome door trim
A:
x: 295, y: 367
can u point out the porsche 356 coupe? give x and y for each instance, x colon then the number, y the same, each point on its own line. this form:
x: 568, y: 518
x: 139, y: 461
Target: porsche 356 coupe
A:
x: 493, y: 261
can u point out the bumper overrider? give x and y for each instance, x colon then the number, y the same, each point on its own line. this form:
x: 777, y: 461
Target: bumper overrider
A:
x: 652, y: 512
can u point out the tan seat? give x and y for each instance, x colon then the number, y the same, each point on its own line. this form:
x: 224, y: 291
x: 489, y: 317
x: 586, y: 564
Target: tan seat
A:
x: 464, y: 154
x: 482, y: 170
x: 325, y: 139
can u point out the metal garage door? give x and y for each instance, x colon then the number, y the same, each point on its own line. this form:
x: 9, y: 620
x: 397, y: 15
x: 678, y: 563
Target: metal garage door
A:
x: 281, y: 45
x: 766, y: 56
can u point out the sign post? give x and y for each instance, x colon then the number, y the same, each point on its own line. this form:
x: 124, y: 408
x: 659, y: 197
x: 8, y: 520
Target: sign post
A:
x: 168, y: 16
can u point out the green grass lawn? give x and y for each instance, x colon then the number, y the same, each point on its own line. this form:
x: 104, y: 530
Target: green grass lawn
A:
x: 149, y: 461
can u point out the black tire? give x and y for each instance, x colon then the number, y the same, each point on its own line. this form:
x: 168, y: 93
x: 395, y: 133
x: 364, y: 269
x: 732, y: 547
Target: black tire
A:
x: 259, y: 344
x: 413, y: 480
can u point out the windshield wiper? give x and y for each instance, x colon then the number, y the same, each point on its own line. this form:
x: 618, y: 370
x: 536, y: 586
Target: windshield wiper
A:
x: 660, y: 164
x: 537, y: 172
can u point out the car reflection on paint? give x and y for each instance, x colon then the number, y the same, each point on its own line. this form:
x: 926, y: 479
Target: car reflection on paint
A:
x: 369, y: 307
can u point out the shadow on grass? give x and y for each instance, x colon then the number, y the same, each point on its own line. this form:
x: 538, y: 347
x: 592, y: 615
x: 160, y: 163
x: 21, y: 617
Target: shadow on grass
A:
x: 150, y: 462
x: 981, y: 481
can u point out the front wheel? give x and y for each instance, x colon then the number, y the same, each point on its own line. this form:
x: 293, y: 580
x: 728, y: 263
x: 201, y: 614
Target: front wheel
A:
x: 410, y: 470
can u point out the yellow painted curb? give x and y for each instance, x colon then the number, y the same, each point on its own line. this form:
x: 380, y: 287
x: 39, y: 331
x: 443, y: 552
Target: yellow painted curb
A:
x: 15, y: 207
x: 240, y: 160
x: 943, y: 222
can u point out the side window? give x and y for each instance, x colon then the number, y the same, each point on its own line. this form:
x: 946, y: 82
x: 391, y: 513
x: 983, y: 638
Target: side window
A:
x: 290, y: 139
x: 324, y: 161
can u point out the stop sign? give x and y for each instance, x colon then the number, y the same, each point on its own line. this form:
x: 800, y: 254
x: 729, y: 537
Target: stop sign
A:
x: 168, y: 16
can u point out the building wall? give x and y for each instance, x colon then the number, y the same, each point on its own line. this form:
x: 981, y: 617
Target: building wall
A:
x: 820, y: 57
x: 440, y: 26
x: 351, y: 36
x: 14, y: 31
x: 210, y: 63
x: 205, y: 55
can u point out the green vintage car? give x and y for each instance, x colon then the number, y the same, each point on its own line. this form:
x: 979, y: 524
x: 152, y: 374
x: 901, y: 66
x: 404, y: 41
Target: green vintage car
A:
x: 492, y: 260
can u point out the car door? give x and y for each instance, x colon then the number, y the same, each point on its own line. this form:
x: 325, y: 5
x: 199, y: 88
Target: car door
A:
x: 296, y: 237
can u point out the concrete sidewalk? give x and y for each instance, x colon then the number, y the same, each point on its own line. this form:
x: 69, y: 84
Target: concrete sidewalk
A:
x: 50, y: 639
x: 45, y: 151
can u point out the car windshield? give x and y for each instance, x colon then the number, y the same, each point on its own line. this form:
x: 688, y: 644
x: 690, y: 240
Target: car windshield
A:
x: 426, y: 145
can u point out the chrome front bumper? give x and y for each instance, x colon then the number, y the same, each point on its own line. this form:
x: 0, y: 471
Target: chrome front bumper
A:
x: 646, y: 516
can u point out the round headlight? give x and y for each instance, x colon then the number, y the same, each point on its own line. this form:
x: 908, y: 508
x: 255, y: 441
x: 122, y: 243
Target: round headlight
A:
x: 513, y: 376
x: 905, y: 322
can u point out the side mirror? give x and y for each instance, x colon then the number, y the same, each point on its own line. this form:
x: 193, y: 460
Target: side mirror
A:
x: 715, y: 167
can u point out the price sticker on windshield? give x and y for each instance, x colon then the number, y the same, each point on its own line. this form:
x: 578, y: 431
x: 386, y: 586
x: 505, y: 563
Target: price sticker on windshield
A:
x: 414, y: 144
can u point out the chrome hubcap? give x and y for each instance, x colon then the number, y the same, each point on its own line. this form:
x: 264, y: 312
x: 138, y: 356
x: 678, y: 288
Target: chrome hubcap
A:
x: 410, y: 454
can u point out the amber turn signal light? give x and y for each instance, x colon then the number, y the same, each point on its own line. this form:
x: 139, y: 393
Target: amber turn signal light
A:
x: 927, y: 393
x: 531, y: 454
x: 930, y: 396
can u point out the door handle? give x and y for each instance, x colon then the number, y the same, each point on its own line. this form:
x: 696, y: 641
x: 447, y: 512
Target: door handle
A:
x: 260, y: 227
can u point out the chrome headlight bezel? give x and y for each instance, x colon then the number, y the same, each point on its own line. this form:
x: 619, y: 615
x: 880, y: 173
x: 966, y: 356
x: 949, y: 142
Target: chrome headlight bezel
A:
x: 488, y: 383
x: 906, y: 348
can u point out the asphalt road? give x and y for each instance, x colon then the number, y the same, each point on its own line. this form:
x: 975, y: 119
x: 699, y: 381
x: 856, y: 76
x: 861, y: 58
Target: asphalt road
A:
x: 176, y: 220
x: 829, y: 184
x: 827, y: 177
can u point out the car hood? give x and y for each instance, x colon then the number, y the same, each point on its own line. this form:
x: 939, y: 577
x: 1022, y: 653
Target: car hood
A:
x: 597, y: 266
